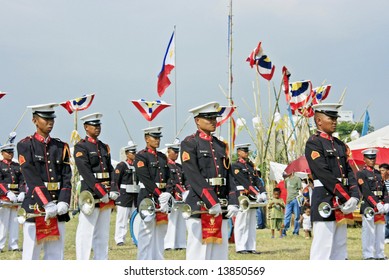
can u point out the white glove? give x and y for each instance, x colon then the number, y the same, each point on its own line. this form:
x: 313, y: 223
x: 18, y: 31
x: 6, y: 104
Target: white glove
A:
x: 105, y: 198
x: 51, y: 210
x: 62, y: 208
x: 380, y: 208
x: 184, y: 195
x: 21, y: 196
x: 261, y: 197
x: 386, y: 208
x: 12, y: 197
x: 113, y: 195
x: 164, y: 198
x: 350, y: 206
x: 164, y: 207
x: 215, y: 210
x: 232, y: 211
x: 87, y: 209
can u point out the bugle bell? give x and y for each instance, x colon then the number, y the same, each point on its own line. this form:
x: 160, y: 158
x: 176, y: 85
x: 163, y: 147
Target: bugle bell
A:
x: 22, y: 215
x: 245, y: 203
x: 187, y: 210
x: 87, y: 203
x: 147, y: 209
x: 325, y: 209
x: 369, y: 213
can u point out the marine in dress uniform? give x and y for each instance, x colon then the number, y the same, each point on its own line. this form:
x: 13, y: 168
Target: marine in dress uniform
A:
x: 153, y: 172
x: 333, y: 181
x: 374, y: 195
x: 45, y: 164
x: 126, y: 181
x: 93, y: 161
x: 207, y: 169
x: 176, y: 230
x: 11, y: 185
x: 249, y: 184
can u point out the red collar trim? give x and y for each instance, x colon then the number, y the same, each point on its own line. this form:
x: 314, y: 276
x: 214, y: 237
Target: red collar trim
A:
x: 6, y: 161
x: 325, y: 135
x: 205, y: 136
x: 171, y: 161
x: 90, y: 139
x: 241, y: 160
x: 42, y: 139
x: 369, y: 168
x: 151, y: 151
x: 130, y: 161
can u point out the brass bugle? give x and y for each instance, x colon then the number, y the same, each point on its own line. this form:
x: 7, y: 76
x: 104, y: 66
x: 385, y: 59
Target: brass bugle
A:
x: 369, y: 213
x: 245, y: 203
x: 86, y: 198
x: 187, y: 210
x: 9, y: 204
x: 22, y: 215
x: 147, y: 208
x: 325, y: 209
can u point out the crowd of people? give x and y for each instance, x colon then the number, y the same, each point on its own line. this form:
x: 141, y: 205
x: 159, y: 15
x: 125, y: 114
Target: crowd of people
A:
x: 186, y: 205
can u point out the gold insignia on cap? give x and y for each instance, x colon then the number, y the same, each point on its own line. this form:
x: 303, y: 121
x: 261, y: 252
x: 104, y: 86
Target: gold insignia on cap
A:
x: 79, y: 154
x: 360, y: 181
x: 315, y: 155
x: 21, y: 159
x: 236, y: 171
x: 185, y: 156
x: 140, y: 164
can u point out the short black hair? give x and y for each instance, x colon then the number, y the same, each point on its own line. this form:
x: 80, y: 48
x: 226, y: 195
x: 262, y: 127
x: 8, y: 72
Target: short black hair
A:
x: 384, y: 165
x: 276, y: 190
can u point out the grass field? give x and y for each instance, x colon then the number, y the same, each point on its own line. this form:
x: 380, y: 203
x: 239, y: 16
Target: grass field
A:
x: 288, y: 248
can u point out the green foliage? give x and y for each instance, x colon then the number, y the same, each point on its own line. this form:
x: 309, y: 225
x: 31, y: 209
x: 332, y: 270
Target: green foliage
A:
x: 345, y: 128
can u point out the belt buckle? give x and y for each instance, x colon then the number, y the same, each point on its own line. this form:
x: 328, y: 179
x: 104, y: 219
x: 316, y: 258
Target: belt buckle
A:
x: 12, y: 186
x: 52, y: 186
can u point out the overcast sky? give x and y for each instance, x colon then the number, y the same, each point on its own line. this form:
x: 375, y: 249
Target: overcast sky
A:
x: 55, y: 50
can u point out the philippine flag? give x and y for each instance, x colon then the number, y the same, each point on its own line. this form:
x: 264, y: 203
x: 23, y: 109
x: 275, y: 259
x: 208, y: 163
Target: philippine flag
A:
x: 167, y: 66
x: 78, y: 104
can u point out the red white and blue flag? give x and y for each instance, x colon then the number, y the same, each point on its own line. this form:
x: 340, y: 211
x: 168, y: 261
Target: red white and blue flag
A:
x: 225, y: 112
x: 150, y: 109
x: 168, y: 65
x: 78, y: 104
x: 262, y: 62
x: 299, y: 94
x: 320, y: 93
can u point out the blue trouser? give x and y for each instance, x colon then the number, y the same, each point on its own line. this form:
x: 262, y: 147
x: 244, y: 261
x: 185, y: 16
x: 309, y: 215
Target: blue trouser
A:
x: 387, y: 226
x: 292, y: 207
x: 260, y: 218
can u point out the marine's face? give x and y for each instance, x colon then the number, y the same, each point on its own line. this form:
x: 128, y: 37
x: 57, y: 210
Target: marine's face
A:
x: 326, y: 123
x: 44, y: 126
x: 207, y: 125
x: 152, y: 142
x: 369, y: 161
x: 93, y: 130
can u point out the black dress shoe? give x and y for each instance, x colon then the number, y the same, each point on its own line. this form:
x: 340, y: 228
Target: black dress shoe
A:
x: 255, y: 252
x: 17, y: 250
x: 243, y: 252
x: 120, y: 244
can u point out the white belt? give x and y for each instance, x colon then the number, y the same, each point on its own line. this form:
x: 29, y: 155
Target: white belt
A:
x: 12, y: 186
x: 318, y: 183
x: 52, y: 186
x: 130, y: 188
x: 216, y: 181
x: 101, y: 175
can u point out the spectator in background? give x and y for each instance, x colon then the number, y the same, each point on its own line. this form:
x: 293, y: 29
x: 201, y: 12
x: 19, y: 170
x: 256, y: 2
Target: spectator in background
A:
x: 305, y: 221
x: 384, y: 169
x: 261, y: 218
x: 276, y: 207
x: 293, y: 187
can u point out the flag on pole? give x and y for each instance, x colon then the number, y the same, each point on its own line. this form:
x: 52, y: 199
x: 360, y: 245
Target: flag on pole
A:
x: 365, y: 128
x: 299, y: 94
x: 150, y: 109
x: 78, y: 104
x: 168, y: 65
x: 225, y: 112
x: 285, y: 81
x: 262, y: 62
x: 320, y: 93
x: 233, y: 133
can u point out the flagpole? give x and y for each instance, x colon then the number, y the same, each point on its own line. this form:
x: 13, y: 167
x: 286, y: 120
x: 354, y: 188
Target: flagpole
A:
x: 230, y: 76
x: 175, y: 83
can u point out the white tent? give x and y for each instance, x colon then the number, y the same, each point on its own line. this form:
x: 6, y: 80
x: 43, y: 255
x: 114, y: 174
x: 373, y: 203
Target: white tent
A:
x: 378, y: 138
